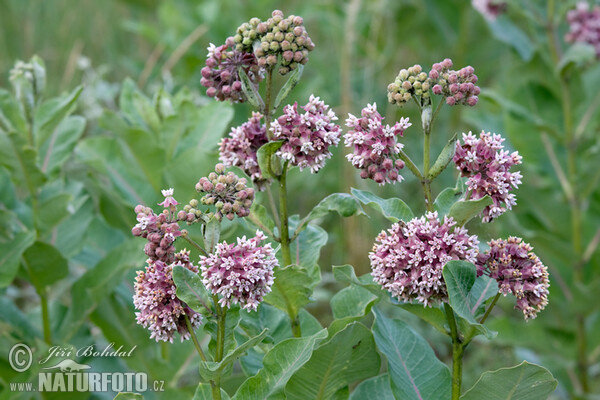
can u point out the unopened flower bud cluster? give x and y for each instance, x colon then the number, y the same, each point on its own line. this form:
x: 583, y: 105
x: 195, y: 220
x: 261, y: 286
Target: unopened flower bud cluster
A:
x: 228, y: 193
x: 409, y: 82
x: 239, y: 149
x: 375, y: 146
x: 518, y: 271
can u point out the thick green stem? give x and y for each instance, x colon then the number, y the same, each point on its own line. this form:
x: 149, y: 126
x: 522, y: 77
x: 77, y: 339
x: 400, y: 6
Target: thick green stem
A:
x: 45, y: 317
x: 457, y: 353
x: 426, y: 161
x: 190, y: 329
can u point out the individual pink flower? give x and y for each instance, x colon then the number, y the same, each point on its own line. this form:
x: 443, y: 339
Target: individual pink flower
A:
x: 220, y: 75
x: 240, y: 273
x: 487, y: 166
x: 169, y: 200
x: 518, y: 271
x: 458, y: 87
x: 239, y: 149
x: 408, y: 259
x: 490, y: 9
x: 375, y: 146
x: 160, y: 310
x: 307, y: 136
x: 584, y: 25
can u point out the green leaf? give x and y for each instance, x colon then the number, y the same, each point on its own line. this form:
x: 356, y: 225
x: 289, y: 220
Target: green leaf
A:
x: 212, y: 232
x: 343, y: 203
x: 10, y: 255
x: 20, y: 325
x: 463, y: 211
x: 280, y: 363
x: 345, y: 273
x: 414, y: 370
x: 128, y: 396
x: 289, y: 85
x: 260, y: 217
x: 204, y: 392
x: 506, y: 31
x: 20, y: 158
x: 53, y: 211
x: 577, y: 55
x: 464, y: 295
x: 250, y: 92
x: 447, y: 197
x: 306, y: 248
x: 443, y: 159
x: 264, y: 157
x: 211, y: 370
x: 191, y: 290
x: 348, y: 357
x: 377, y: 387
x: 11, y: 117
x: 350, y: 304
x: 432, y: 315
x: 525, y: 381
x: 291, y: 289
x: 45, y: 265
x: 59, y: 146
x: 392, y: 209
x: 50, y: 114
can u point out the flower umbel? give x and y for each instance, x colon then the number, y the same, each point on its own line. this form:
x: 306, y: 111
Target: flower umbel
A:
x: 584, y: 25
x: 240, y: 148
x: 408, y: 259
x: 160, y: 310
x: 307, y: 136
x: 240, y: 273
x: 487, y: 165
x: 518, y: 272
x: 410, y: 82
x: 375, y: 145
x: 458, y: 87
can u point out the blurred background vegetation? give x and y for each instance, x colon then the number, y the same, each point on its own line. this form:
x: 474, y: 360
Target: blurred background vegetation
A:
x: 360, y: 46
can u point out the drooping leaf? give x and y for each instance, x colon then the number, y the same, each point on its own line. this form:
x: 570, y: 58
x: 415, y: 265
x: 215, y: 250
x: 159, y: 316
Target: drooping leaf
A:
x: 415, y: 372
x: 464, y: 295
x: 443, y: 159
x: 377, y: 387
x: 525, y: 381
x: 280, y: 363
x: 392, y: 209
x: 191, y: 290
x: 212, y: 232
x: 44, y: 264
x: 264, y: 156
x: 349, y: 356
x: 250, y: 91
x: 289, y: 85
x: 10, y: 255
x: 463, y: 211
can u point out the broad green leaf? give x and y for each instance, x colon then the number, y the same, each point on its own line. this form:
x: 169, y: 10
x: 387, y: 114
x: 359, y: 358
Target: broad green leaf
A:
x: 525, y: 381
x: 291, y: 289
x: 415, y: 372
x: 345, y: 273
x: 463, y: 211
x: 289, y: 85
x: 577, y: 56
x: 20, y: 158
x: 348, y: 357
x: 306, y: 249
x: 20, y: 325
x: 53, y: 211
x: 447, y: 197
x: 10, y: 255
x: 465, y: 295
x: 377, y: 387
x: 59, y: 146
x: 44, y: 264
x: 250, y: 91
x: 191, y: 290
x: 280, y: 363
x: 443, y: 159
x: 211, y: 370
x: 506, y: 31
x: 432, y: 315
x: 50, y: 114
x: 264, y: 156
x: 344, y: 204
x: 144, y: 153
x: 350, y: 304
x: 204, y: 392
x: 392, y: 209
x: 128, y: 396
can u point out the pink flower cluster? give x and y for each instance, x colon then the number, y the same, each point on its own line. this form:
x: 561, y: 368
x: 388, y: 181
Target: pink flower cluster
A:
x: 490, y: 9
x: 307, y: 136
x: 239, y: 149
x: 487, y: 165
x: 161, y: 230
x: 375, y: 145
x: 408, y: 259
x: 518, y: 272
x: 458, y: 87
x: 220, y: 75
x: 160, y: 309
x: 584, y: 25
x: 228, y: 193
x: 241, y: 273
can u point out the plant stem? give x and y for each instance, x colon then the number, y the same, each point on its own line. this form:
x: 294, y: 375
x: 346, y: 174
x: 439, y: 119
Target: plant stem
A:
x: 457, y: 353
x: 45, y: 316
x: 489, y: 310
x: 425, y: 181
x: 190, y: 329
x: 186, y: 236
